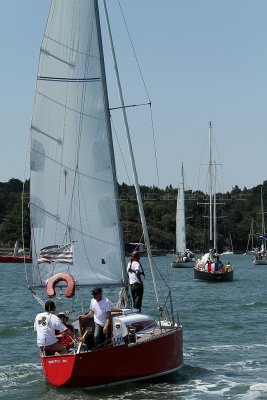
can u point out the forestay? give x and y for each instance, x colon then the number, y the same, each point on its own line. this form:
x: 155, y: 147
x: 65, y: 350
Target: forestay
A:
x: 73, y: 195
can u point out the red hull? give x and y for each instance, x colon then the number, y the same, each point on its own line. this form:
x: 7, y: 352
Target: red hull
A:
x: 158, y: 356
x: 15, y: 259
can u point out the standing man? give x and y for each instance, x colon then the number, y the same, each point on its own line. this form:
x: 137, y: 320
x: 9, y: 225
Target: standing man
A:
x: 45, y: 325
x: 136, y: 278
x: 100, y: 308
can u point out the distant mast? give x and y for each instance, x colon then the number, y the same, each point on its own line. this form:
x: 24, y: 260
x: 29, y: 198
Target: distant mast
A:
x: 214, y: 211
x: 210, y: 182
x: 180, y: 216
x: 262, y: 221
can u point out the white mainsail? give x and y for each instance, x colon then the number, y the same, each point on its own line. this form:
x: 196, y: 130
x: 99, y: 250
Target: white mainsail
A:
x: 180, y: 216
x: 74, y: 200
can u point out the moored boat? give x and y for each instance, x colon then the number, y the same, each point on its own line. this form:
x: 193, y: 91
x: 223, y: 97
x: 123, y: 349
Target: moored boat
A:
x: 250, y: 245
x: 210, y: 267
x: 15, y: 259
x: 230, y: 250
x: 184, y: 258
x: 260, y: 257
x: 19, y: 255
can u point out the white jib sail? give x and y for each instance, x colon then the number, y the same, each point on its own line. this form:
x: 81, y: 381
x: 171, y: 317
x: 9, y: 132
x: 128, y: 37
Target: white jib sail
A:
x: 74, y: 199
x: 180, y: 216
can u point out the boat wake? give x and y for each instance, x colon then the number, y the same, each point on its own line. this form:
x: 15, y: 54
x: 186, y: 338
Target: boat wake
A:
x: 13, y: 377
x: 253, y: 304
x: 224, y: 347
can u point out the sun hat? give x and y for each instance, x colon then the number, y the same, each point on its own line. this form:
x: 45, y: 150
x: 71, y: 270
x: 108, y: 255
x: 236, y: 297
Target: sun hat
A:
x: 63, y: 314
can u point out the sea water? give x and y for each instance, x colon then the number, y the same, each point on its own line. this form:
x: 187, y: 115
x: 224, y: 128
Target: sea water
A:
x: 225, y: 346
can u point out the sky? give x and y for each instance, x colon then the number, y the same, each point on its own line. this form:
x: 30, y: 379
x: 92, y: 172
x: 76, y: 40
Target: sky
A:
x: 201, y: 60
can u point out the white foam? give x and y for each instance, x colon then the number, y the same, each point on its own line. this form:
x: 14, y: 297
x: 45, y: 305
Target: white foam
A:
x: 12, y: 375
x: 230, y: 347
x: 212, y: 388
x: 259, y: 387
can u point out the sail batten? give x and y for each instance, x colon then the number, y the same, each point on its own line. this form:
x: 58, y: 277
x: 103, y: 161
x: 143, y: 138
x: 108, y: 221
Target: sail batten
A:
x: 73, y: 179
x: 74, y: 80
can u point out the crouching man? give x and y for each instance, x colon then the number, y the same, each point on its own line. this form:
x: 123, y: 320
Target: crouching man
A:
x: 45, y: 325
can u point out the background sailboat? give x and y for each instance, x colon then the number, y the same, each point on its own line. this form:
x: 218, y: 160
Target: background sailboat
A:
x: 260, y: 257
x: 230, y: 249
x: 250, y: 246
x: 76, y: 233
x: 19, y: 255
x: 210, y: 267
x: 184, y: 257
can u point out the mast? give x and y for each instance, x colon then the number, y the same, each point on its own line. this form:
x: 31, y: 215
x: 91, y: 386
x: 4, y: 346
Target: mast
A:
x: 214, y: 211
x: 137, y: 188
x: 231, y: 242
x: 262, y: 220
x: 180, y: 216
x: 183, y: 215
x: 252, y: 234
x: 122, y: 252
x: 262, y: 215
x: 210, y: 181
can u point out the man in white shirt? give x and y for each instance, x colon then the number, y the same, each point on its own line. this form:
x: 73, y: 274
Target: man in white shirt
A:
x: 136, y: 278
x: 45, y: 325
x: 100, y: 308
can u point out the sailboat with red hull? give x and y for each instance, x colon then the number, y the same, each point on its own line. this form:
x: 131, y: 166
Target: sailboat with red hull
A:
x: 77, y: 240
x: 119, y: 364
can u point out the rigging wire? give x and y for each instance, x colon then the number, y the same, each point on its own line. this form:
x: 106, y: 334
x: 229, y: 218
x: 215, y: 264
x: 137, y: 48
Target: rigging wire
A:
x: 151, y: 114
x: 134, y: 52
x: 35, y: 295
x: 202, y: 156
x: 220, y: 162
x: 22, y: 206
x: 146, y: 90
x: 121, y: 153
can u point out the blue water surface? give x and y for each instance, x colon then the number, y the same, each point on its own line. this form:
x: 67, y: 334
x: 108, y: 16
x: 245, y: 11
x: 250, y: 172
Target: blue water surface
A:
x: 225, y: 346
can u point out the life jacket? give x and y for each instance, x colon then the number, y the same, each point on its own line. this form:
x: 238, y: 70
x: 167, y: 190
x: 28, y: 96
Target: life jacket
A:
x: 133, y: 271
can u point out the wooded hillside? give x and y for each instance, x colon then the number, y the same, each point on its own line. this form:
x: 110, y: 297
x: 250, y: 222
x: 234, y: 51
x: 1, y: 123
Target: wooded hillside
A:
x: 235, y: 212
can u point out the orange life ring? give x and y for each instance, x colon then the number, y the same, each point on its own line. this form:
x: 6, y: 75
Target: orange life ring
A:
x: 52, y: 282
